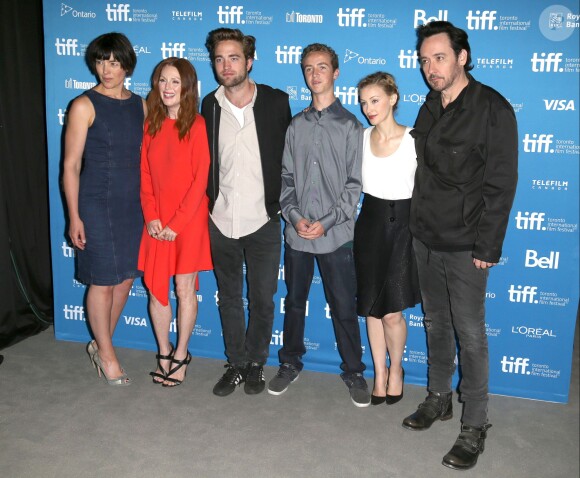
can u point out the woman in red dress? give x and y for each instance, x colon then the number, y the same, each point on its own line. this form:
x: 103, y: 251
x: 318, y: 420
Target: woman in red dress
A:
x: 175, y: 241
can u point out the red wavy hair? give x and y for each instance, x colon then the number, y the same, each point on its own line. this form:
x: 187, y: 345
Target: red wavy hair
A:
x: 188, y: 104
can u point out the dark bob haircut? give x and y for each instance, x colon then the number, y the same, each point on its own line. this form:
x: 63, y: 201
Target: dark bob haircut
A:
x: 112, y: 44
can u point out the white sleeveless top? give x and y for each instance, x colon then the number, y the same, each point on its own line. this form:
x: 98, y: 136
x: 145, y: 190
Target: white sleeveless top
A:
x: 393, y: 176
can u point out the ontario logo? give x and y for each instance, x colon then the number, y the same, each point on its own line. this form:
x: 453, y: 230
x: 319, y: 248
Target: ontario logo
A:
x: 350, y: 55
x: 66, y: 9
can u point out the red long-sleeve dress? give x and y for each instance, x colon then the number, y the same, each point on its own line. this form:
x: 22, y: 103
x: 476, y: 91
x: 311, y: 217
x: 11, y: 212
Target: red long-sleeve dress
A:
x: 174, y: 177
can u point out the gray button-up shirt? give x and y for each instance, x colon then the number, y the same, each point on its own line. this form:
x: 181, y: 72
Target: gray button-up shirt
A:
x: 321, y: 176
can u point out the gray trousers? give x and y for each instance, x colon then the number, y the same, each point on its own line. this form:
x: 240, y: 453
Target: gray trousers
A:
x: 453, y: 292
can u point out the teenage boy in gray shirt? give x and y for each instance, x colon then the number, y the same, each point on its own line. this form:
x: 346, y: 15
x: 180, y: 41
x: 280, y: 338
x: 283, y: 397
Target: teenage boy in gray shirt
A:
x: 321, y: 186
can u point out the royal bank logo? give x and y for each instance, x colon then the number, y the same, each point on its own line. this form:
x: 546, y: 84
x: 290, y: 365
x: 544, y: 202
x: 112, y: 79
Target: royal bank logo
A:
x: 297, y: 17
x: 66, y: 9
x: 230, y: 14
x: 421, y: 17
x: 362, y: 60
x: 558, y: 22
x: 292, y: 92
x: 169, y: 49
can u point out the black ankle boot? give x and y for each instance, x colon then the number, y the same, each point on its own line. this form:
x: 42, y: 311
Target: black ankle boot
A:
x: 469, y: 445
x: 437, y: 406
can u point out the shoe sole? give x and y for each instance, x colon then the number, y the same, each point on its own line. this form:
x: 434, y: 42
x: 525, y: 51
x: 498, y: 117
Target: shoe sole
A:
x: 454, y: 467
x: 360, y: 405
x: 249, y: 391
x: 272, y: 392
x: 442, y: 419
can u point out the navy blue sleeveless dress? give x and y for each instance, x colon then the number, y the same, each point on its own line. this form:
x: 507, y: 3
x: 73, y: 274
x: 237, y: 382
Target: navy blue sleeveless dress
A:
x: 109, y: 202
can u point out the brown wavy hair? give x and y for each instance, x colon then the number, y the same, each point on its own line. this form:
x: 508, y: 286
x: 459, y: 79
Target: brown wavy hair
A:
x: 188, y: 104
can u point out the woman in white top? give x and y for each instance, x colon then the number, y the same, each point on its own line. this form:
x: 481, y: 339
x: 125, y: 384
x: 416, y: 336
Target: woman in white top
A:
x: 385, y: 263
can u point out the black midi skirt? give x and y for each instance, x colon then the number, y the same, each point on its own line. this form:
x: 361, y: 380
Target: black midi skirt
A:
x: 386, y: 270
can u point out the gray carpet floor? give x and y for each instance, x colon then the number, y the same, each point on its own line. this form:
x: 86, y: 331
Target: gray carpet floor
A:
x: 57, y: 419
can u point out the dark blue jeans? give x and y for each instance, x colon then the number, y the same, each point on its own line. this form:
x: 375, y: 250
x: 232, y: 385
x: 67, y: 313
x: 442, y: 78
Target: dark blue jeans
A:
x: 339, y: 281
x: 453, y: 293
x: 261, y: 251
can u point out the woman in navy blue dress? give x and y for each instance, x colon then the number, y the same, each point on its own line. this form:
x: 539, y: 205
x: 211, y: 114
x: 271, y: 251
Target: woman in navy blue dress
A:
x: 101, y: 184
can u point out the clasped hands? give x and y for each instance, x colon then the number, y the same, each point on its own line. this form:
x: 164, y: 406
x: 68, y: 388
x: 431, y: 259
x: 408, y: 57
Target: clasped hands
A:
x: 309, y: 230
x: 157, y: 231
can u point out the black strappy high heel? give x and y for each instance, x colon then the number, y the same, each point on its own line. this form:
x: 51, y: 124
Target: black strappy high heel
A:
x: 164, y: 373
x: 179, y: 364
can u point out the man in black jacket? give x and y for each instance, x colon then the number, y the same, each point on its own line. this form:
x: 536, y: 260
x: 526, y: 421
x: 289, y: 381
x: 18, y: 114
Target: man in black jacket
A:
x: 467, y: 148
x: 246, y: 124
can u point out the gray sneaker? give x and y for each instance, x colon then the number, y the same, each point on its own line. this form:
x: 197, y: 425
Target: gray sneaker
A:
x: 287, y: 374
x: 358, y: 388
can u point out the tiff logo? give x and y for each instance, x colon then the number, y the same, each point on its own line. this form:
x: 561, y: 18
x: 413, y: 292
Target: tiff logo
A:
x: 61, y: 115
x: 549, y: 262
x: 76, y: 312
x: 538, y: 143
x: 524, y: 294
x: 67, y: 251
x: 530, y: 221
x: 348, y: 95
x: 67, y: 47
x: 549, y: 63
x: 172, y: 49
x: 421, y: 17
x: 515, y: 365
x: 351, y: 17
x: 482, y: 20
x: 288, y: 54
x: 118, y: 13
x: 277, y: 338
x: 408, y: 59
x: 230, y: 14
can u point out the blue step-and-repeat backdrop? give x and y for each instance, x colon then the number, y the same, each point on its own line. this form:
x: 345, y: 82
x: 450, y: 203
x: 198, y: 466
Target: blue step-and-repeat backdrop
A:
x: 527, y: 50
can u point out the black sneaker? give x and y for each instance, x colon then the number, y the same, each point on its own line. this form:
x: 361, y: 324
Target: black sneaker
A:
x: 255, y: 382
x: 358, y: 388
x: 287, y: 374
x: 227, y: 384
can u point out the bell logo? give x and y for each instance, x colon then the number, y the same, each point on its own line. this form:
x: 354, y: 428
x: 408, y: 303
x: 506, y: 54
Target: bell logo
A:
x: 481, y: 20
x: 421, y: 17
x: 550, y: 262
x: 547, y: 63
x: 515, y: 365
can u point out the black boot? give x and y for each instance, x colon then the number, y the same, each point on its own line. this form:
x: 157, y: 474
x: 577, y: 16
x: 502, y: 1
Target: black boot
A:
x: 437, y: 406
x: 469, y: 445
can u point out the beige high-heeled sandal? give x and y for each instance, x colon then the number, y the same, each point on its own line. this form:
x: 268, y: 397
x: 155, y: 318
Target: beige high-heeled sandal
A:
x: 121, y: 381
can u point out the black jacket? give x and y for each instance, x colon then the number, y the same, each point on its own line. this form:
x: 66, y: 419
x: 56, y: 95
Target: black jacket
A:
x: 272, y: 115
x: 466, y: 172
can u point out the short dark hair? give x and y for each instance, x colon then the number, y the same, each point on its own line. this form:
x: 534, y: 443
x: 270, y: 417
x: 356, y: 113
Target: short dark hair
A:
x: 320, y: 47
x: 457, y: 37
x: 218, y: 35
x: 112, y: 44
